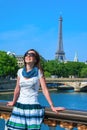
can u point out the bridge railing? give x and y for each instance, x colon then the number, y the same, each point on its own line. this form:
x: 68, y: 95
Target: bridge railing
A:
x: 65, y: 80
x: 67, y: 119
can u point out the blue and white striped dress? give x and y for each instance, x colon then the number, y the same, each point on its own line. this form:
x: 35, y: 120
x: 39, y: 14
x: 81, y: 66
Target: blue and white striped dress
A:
x: 27, y: 113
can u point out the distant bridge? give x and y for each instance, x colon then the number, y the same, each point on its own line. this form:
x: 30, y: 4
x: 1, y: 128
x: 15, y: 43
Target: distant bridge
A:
x: 78, y: 84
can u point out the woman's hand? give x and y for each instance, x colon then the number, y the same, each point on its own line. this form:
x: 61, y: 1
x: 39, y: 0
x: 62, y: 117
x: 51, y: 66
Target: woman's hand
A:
x: 10, y: 103
x: 56, y: 109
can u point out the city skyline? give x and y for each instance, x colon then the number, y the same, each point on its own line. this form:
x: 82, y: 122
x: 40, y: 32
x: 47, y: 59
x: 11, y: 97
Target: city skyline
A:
x: 35, y: 24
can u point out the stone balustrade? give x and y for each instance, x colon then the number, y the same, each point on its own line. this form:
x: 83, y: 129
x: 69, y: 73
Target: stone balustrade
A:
x: 67, y: 119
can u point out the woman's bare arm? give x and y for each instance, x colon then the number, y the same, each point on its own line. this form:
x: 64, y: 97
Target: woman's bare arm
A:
x: 47, y: 95
x: 16, y: 94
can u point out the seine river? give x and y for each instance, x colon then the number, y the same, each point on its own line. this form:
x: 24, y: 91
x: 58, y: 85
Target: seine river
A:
x: 69, y: 100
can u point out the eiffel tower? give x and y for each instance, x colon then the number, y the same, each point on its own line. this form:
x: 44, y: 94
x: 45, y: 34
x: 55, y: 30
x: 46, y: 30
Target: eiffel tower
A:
x: 60, y: 54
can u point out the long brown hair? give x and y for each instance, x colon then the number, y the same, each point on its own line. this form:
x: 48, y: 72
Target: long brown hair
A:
x: 37, y: 56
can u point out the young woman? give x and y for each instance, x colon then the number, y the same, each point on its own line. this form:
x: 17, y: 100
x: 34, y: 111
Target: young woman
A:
x: 27, y: 113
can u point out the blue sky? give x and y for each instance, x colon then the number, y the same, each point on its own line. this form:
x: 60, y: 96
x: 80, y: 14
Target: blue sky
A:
x: 26, y: 24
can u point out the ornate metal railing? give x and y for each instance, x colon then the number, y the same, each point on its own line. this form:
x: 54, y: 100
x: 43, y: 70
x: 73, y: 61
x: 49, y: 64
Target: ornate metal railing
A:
x: 67, y: 119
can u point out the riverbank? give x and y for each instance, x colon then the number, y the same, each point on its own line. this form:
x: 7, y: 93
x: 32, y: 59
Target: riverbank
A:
x: 11, y: 91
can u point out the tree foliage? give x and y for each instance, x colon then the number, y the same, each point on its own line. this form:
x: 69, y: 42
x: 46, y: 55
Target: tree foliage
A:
x: 83, y: 72
x: 8, y: 65
x: 61, y: 69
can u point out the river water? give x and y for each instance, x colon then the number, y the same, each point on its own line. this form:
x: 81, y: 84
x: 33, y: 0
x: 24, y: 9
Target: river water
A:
x: 69, y: 100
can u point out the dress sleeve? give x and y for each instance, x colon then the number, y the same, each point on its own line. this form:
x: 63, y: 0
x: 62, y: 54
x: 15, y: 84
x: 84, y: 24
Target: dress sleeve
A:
x: 18, y: 73
x: 40, y: 74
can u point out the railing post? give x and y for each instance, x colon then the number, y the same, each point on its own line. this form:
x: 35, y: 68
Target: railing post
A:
x: 52, y: 128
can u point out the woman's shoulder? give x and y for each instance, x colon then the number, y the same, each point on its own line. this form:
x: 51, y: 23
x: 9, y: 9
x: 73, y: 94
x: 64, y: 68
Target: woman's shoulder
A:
x: 20, y: 71
x: 40, y: 73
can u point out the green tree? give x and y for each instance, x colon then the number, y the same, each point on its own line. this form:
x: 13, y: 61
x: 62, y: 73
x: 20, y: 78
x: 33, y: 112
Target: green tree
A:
x: 74, y: 68
x: 62, y: 70
x: 51, y: 67
x: 83, y: 72
x: 8, y: 65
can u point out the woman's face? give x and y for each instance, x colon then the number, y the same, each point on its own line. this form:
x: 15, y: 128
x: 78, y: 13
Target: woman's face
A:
x: 30, y: 57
